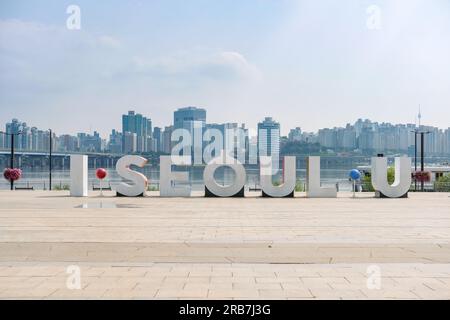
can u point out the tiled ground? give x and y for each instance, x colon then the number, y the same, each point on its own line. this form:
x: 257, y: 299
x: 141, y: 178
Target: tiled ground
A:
x: 228, y: 281
x: 201, y: 248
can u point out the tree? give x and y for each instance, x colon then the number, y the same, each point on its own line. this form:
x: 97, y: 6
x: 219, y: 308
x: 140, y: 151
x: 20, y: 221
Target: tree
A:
x: 300, y: 147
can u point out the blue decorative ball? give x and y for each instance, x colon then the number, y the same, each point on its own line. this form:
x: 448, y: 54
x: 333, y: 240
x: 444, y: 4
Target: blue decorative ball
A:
x: 355, y: 174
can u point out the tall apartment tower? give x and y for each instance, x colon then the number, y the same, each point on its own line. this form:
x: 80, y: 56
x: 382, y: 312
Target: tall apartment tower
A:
x: 268, y: 138
x: 157, y: 137
x: 141, y: 127
x: 193, y: 120
x: 185, y: 117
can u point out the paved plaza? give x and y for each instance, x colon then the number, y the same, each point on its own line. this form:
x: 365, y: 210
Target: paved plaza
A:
x: 235, y: 248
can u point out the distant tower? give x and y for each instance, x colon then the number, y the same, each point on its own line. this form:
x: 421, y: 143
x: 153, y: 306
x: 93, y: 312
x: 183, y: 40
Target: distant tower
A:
x: 419, y: 116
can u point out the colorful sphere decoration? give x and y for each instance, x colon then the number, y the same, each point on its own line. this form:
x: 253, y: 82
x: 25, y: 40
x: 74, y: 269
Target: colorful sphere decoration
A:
x: 101, y: 173
x: 355, y: 174
x: 13, y: 174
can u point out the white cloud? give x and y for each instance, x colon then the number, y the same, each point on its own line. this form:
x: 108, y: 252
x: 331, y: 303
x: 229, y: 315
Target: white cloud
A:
x: 38, y: 57
x: 109, y: 41
x: 199, y: 64
x: 64, y: 59
x: 57, y: 71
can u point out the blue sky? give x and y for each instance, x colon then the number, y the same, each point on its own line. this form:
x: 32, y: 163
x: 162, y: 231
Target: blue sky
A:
x: 311, y: 64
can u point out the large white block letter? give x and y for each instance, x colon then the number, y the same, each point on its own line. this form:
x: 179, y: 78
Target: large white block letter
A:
x: 78, y: 175
x: 212, y: 188
x: 289, y: 177
x: 402, y: 181
x: 168, y: 179
x: 139, y: 181
x: 313, y: 181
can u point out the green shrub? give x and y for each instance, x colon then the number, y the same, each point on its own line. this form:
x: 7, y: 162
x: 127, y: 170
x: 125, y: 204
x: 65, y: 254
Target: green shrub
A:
x: 299, y: 186
x: 59, y: 187
x: 367, y: 180
x: 442, y: 184
x: 153, y: 188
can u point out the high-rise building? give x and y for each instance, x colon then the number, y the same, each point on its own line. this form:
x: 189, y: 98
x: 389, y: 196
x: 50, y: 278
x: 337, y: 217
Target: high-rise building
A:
x: 29, y: 138
x: 33, y: 138
x: 166, y: 142
x: 346, y: 138
x: 295, y: 134
x: 328, y: 137
x: 184, y: 117
x: 43, y: 140
x: 129, y: 142
x: 115, y: 142
x: 220, y: 143
x: 90, y: 143
x: 447, y: 141
x: 157, y: 137
x: 14, y: 127
x: 139, y: 125
x: 235, y: 139
x: 24, y: 138
x: 67, y: 143
x: 268, y: 138
x: 193, y: 120
x: 365, y: 140
x: 2, y: 141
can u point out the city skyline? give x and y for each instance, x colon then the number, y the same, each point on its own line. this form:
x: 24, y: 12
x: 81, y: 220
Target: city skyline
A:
x: 284, y: 130
x: 138, y: 134
x: 316, y: 64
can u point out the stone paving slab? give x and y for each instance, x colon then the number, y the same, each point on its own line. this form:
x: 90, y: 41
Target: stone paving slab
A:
x: 261, y: 281
x: 197, y: 248
x: 222, y: 252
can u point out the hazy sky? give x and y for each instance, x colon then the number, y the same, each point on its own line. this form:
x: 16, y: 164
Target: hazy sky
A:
x: 311, y: 64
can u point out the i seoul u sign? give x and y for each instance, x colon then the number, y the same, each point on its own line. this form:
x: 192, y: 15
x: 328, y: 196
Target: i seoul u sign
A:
x: 174, y: 183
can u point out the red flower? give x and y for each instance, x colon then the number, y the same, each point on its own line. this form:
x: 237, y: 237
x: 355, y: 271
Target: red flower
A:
x: 12, y: 174
x: 422, y: 176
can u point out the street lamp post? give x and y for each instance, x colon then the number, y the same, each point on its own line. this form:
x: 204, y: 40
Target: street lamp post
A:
x: 12, y: 159
x: 12, y: 151
x: 50, y: 162
x: 422, y: 158
x: 415, y: 159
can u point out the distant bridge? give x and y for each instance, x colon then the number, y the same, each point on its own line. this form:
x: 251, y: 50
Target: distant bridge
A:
x: 60, y: 159
x: 57, y: 154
